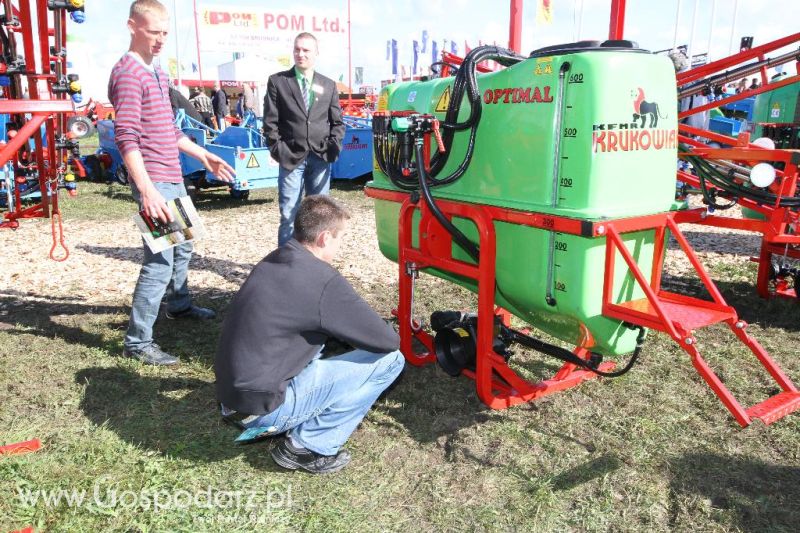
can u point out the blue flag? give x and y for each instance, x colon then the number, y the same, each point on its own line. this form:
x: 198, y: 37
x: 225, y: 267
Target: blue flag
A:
x: 416, y: 55
x: 424, y: 41
x: 388, y: 49
x: 453, y: 48
x: 394, y: 57
x: 434, y: 52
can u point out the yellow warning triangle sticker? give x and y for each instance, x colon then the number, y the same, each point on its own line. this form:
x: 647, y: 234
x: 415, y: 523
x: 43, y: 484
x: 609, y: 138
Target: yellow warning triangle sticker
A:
x: 252, y: 162
x: 444, y: 101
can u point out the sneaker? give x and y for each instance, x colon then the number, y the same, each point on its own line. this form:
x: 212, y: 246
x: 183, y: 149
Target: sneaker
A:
x: 193, y: 311
x: 152, y: 354
x: 288, y: 456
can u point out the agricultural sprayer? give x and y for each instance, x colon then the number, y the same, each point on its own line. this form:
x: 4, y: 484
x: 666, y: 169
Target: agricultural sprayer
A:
x: 547, y: 188
x: 760, y: 176
x: 37, y: 97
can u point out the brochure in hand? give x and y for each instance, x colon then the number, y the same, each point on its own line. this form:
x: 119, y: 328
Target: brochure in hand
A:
x: 186, y: 225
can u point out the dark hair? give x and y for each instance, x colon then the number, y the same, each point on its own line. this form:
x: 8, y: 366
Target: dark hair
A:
x: 318, y: 213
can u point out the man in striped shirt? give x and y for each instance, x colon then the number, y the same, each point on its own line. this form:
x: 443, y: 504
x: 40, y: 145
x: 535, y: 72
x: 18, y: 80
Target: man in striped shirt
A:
x: 202, y: 103
x: 149, y: 143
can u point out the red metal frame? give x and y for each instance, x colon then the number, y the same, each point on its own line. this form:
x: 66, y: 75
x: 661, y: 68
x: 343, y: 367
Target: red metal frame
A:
x: 679, y: 315
x: 725, y: 63
x: 779, y: 229
x: 742, y: 95
x: 497, y: 385
x: 452, y: 59
x: 46, y: 109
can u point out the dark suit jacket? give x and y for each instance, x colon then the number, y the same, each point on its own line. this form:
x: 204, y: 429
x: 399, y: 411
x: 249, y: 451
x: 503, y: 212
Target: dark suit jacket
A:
x: 292, y: 132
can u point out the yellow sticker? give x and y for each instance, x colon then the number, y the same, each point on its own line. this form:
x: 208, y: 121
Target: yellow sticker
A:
x: 444, y: 101
x: 383, y: 101
x: 544, y: 65
x: 252, y: 162
x: 461, y: 332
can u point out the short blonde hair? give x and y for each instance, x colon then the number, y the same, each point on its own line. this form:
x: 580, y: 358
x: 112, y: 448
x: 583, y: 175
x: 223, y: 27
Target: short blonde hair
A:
x: 140, y: 7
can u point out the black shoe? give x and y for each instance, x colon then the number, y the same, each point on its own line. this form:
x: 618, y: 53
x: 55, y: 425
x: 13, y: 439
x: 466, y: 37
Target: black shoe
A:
x: 287, y: 456
x: 152, y: 354
x: 193, y: 311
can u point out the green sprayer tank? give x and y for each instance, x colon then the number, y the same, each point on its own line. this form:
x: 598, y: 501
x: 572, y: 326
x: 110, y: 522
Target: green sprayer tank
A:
x: 588, y: 134
x: 777, y: 116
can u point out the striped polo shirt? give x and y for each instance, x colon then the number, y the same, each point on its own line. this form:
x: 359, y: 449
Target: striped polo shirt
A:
x: 144, y: 121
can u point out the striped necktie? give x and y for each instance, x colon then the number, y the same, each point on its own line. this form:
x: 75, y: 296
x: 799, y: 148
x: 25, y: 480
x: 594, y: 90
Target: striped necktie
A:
x: 305, y: 93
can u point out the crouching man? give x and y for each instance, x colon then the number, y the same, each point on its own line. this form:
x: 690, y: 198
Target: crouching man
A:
x: 270, y: 377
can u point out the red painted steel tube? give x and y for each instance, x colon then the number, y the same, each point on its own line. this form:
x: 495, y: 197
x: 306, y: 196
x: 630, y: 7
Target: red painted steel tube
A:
x: 722, y: 64
x: 10, y: 107
x: 515, y: 26
x: 716, y: 384
x: 25, y: 132
x: 744, y: 94
x: 701, y: 271
x: 614, y: 241
x: 617, y: 21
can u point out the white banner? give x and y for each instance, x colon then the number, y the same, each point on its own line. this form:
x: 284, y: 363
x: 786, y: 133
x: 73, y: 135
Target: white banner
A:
x: 269, y: 33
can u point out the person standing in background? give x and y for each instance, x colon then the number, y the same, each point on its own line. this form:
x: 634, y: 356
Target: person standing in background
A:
x: 219, y: 103
x: 202, y: 103
x: 304, y: 130
x: 248, y: 99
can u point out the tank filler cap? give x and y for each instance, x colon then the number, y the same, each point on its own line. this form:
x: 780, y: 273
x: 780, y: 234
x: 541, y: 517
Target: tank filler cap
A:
x: 616, y: 45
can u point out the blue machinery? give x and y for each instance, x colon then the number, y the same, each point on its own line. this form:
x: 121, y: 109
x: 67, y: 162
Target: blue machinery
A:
x: 245, y: 149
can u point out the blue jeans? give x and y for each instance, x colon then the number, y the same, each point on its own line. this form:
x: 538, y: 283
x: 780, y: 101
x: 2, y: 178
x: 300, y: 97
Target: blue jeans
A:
x: 327, y: 400
x: 313, y: 175
x: 163, y: 272
x: 220, y: 122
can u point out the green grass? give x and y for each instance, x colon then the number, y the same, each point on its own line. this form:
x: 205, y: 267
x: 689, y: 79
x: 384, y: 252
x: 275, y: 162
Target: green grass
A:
x: 652, y: 451
x: 88, y: 145
x: 98, y: 201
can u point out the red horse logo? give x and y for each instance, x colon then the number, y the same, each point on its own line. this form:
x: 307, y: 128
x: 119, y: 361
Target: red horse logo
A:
x: 643, y: 108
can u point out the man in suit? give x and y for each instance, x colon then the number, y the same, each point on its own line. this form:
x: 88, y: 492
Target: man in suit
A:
x: 219, y: 103
x: 304, y: 130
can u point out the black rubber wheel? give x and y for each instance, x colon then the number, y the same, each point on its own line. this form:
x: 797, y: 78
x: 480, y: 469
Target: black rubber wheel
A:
x: 121, y: 175
x: 239, y: 195
x: 80, y: 126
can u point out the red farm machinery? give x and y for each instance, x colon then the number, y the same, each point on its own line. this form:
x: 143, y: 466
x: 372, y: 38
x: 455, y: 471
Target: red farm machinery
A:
x: 38, y: 97
x: 548, y: 189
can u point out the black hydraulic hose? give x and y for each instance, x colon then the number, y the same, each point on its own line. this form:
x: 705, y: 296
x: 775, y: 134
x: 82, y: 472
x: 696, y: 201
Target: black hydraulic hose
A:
x: 467, y: 245
x: 569, y: 357
x: 709, y: 198
x: 441, y: 64
x: 465, y: 82
x: 725, y: 183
